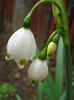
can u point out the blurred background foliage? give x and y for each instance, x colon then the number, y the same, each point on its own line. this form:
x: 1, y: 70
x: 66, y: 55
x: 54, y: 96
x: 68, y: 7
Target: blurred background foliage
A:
x: 12, y: 13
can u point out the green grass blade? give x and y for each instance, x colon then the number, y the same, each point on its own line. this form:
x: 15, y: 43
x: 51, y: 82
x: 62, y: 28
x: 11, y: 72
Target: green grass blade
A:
x: 49, y: 88
x: 37, y: 52
x: 18, y: 97
x: 68, y: 72
x: 39, y: 93
x: 64, y: 94
x: 72, y: 83
x: 59, y: 69
x: 7, y: 88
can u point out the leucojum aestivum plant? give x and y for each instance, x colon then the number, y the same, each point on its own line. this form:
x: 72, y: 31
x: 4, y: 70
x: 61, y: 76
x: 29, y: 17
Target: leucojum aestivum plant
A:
x: 22, y: 47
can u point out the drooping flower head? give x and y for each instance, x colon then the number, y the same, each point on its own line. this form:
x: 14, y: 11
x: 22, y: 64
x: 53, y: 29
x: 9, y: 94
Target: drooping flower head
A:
x: 21, y: 46
x: 38, y: 70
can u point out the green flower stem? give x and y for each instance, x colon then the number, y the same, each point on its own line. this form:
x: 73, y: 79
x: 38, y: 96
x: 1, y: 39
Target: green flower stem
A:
x: 53, y: 34
x: 27, y: 20
x: 43, y: 53
x: 43, y: 1
x: 68, y: 73
x: 65, y: 22
x: 67, y: 51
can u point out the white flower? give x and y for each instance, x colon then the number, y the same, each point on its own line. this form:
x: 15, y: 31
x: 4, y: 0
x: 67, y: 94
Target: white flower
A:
x: 21, y: 46
x: 38, y: 70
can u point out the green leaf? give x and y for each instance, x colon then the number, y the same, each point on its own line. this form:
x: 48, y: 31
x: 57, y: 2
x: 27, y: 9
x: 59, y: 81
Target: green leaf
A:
x: 18, y: 97
x: 49, y: 88
x: 64, y: 94
x: 7, y: 88
x: 37, y: 52
x: 40, y: 93
x: 59, y: 69
x: 54, y: 92
x: 5, y: 98
x: 10, y: 89
x: 3, y: 88
x: 1, y: 95
x: 72, y: 83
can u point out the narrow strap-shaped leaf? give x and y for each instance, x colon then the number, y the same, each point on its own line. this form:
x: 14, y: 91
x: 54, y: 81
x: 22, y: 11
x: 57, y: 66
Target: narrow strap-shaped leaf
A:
x: 18, y: 97
x: 39, y: 93
x: 59, y: 69
x: 37, y: 52
x: 49, y: 88
x: 64, y: 94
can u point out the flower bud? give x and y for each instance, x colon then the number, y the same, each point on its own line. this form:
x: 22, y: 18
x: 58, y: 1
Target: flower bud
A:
x: 51, y: 49
x: 38, y: 70
x: 21, y: 46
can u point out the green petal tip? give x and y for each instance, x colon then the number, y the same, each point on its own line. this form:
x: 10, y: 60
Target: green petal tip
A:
x: 7, y: 55
x: 33, y: 58
x: 22, y: 62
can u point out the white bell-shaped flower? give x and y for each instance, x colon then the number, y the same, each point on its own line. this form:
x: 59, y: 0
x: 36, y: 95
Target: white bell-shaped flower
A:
x: 21, y: 46
x: 38, y: 70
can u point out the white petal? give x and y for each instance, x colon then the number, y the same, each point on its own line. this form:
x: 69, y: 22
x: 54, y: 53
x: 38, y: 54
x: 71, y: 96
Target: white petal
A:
x: 11, y: 44
x: 17, y: 61
x: 22, y: 44
x: 38, y: 70
x: 8, y: 58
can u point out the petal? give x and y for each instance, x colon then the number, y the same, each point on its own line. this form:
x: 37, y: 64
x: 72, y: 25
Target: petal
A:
x: 22, y: 45
x: 11, y: 44
x: 38, y: 70
x: 28, y: 45
x: 20, y: 63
